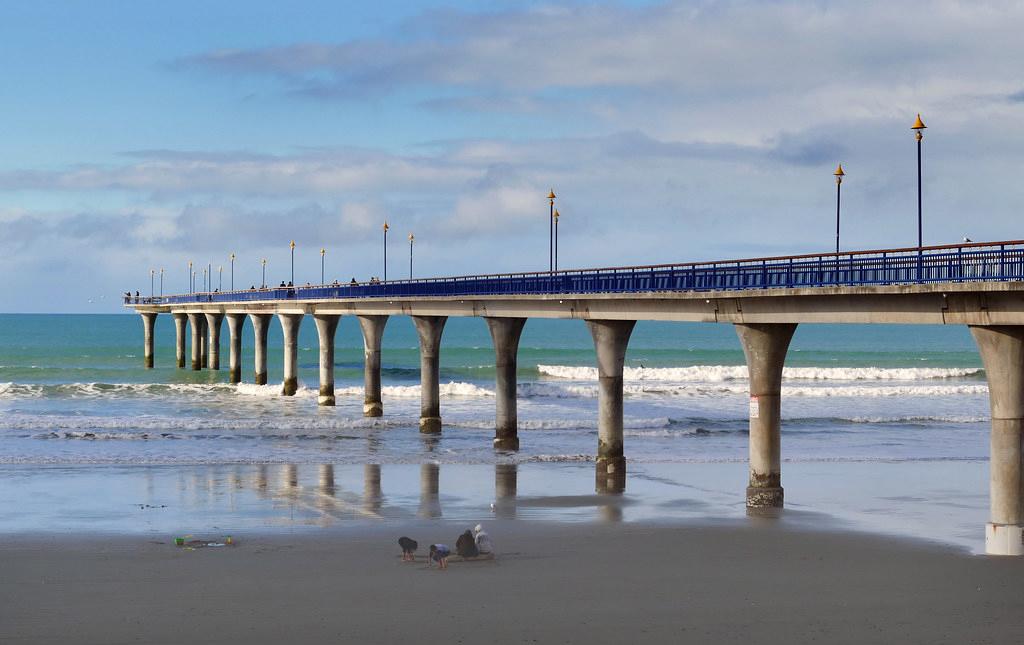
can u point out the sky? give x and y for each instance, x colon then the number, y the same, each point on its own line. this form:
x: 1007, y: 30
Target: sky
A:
x: 141, y: 136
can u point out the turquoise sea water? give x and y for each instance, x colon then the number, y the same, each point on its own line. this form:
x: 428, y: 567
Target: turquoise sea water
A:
x: 73, y: 390
x: 884, y: 426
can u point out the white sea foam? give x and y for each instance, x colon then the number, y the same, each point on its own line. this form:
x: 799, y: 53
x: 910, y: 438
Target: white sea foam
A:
x: 203, y: 427
x: 686, y: 390
x: 97, y: 390
x: 274, y: 390
x: 564, y: 390
x: 719, y: 373
x: 920, y: 419
x: 528, y: 425
x: 451, y: 389
x: 560, y: 458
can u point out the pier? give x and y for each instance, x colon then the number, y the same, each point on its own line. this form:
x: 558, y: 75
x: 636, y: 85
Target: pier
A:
x: 980, y: 285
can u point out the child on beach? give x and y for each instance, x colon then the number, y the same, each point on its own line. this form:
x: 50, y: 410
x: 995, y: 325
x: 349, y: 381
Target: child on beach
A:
x: 409, y: 547
x: 439, y: 553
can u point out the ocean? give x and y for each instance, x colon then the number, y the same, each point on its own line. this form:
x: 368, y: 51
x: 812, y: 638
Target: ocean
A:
x: 881, y: 403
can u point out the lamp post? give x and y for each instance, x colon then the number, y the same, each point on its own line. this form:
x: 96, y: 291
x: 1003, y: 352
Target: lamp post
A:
x: 190, y: 287
x: 292, y: 280
x: 839, y: 174
x: 220, y: 278
x: 161, y: 282
x: 209, y: 277
x: 152, y: 272
x: 917, y: 128
x: 386, y: 227
x: 412, y: 239
x: 194, y: 275
x: 263, y: 285
x: 232, y: 258
x: 551, y: 230
x: 556, y: 239
x: 206, y: 286
x: 323, y: 252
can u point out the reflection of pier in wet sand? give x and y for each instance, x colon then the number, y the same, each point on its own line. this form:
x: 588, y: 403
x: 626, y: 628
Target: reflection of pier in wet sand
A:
x: 319, y: 491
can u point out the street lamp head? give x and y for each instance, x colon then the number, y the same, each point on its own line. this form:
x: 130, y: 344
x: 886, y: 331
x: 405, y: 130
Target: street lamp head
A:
x: 263, y: 261
x: 917, y: 127
x: 411, y: 238
x: 386, y: 227
x: 556, y: 214
x: 839, y: 174
x: 232, y: 257
x: 551, y: 194
x: 322, y: 251
x: 292, y: 245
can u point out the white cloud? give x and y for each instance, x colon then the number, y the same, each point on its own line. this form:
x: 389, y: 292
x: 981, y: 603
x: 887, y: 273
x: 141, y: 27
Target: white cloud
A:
x: 670, y: 132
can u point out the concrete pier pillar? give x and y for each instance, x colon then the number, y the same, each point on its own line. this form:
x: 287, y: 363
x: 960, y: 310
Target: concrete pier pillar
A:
x: 505, y: 333
x: 1002, y: 352
x: 373, y: 332
x: 429, y: 329
x: 148, y: 322
x: 372, y: 495
x: 289, y: 479
x: 195, y: 322
x: 326, y: 480
x: 180, y: 321
x: 326, y: 327
x: 765, y: 347
x: 609, y: 482
x: 204, y: 348
x: 290, y: 328
x: 213, y: 322
x: 235, y: 324
x: 260, y: 327
x: 430, y: 499
x: 610, y: 340
x: 506, y: 479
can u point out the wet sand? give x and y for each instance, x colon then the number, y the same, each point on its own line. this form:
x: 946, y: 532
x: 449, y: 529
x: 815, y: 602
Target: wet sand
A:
x: 735, y: 582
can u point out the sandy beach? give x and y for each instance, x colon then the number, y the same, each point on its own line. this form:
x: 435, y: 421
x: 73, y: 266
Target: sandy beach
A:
x: 736, y: 582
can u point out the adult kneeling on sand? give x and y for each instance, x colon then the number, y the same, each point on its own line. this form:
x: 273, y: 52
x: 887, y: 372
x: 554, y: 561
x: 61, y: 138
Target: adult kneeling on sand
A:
x: 465, y: 546
x: 483, y: 540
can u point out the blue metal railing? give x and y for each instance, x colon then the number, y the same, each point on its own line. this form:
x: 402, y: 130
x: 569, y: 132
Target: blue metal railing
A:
x: 975, y: 262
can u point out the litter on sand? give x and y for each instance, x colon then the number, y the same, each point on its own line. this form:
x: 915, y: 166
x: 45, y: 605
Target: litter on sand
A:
x: 191, y: 545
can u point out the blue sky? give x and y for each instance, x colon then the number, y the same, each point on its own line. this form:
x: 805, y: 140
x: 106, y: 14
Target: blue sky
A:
x: 143, y: 135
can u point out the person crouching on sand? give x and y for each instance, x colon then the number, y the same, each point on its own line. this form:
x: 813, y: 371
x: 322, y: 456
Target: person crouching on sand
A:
x: 483, y: 541
x: 465, y: 546
x: 439, y: 553
x: 409, y: 547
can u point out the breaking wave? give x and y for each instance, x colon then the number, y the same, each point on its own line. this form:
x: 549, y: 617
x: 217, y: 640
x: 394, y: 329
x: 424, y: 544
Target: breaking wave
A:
x: 543, y: 389
x: 718, y: 373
